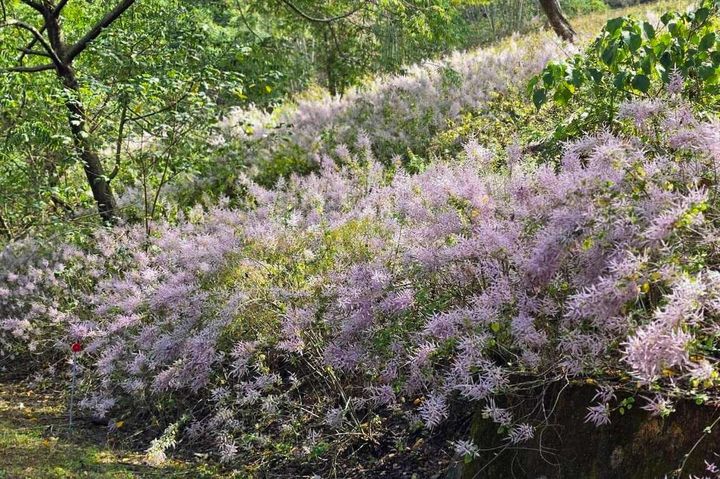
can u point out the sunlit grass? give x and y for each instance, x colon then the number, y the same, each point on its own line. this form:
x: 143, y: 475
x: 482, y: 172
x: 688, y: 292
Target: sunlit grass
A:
x: 35, y: 443
x: 588, y: 26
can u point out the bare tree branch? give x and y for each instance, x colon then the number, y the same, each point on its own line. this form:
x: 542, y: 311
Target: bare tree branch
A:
x: 245, y: 21
x: 557, y: 20
x: 38, y: 36
x: 310, y: 18
x: 28, y: 51
x: 118, y: 143
x: 33, y: 69
x: 95, y: 31
x: 4, y: 229
x: 55, y: 12
x: 35, y: 5
x: 59, y: 7
x: 30, y: 45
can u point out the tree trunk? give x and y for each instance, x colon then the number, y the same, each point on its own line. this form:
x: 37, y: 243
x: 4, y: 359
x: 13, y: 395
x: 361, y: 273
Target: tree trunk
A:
x: 557, y: 19
x: 332, y: 83
x: 4, y: 229
x: 92, y: 165
x: 330, y: 66
x: 77, y: 117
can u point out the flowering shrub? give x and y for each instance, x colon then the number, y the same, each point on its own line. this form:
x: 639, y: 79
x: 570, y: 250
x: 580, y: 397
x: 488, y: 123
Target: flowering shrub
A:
x: 634, y: 59
x: 341, y: 294
x: 316, y: 309
x: 36, y: 302
x: 396, y: 114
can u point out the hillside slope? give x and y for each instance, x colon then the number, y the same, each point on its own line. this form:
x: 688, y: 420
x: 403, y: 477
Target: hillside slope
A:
x: 349, y: 322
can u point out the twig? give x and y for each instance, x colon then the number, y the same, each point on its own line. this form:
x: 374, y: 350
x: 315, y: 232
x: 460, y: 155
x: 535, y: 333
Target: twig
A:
x: 706, y: 432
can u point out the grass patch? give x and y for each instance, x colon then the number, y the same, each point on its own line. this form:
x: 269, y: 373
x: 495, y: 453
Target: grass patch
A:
x: 35, y: 443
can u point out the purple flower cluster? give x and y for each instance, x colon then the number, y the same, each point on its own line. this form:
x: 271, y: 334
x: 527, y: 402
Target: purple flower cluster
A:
x: 357, y: 286
x: 395, y: 113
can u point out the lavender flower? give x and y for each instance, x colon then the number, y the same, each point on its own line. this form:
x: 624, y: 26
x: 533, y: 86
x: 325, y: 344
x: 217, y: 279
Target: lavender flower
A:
x: 434, y: 410
x: 598, y: 414
x: 521, y: 433
x: 675, y: 83
x: 658, y: 406
x: 466, y: 449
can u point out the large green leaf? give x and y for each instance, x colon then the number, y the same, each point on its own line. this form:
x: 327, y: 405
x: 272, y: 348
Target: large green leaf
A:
x: 641, y: 82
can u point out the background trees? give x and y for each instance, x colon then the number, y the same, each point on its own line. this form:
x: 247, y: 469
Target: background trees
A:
x: 105, y: 104
x: 85, y: 84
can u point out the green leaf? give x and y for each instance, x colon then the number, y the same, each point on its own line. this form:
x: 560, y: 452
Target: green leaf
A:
x: 614, y: 24
x: 539, y: 97
x: 646, y: 65
x: 649, y: 30
x: 577, y: 77
x: 707, y: 41
x: 619, y: 80
x: 706, y: 71
x: 608, y: 56
x: 634, y: 42
x: 595, y: 74
x: 548, y: 78
x: 531, y: 84
x: 666, y: 60
x: 660, y: 44
x: 562, y: 94
x: 641, y: 82
x: 701, y: 15
x: 715, y: 57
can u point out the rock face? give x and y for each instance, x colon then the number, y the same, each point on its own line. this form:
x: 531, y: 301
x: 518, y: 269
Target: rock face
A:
x: 635, y: 445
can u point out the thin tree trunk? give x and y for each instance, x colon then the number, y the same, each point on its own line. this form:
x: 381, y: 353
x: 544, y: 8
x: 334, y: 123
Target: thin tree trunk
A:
x: 491, y: 17
x: 102, y: 192
x: 62, y: 57
x: 332, y: 84
x: 330, y: 67
x: 4, y: 229
x: 557, y: 19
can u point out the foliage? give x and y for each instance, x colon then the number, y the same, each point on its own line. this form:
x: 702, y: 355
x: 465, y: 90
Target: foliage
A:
x: 634, y: 59
x: 155, y: 83
x: 332, y: 293
x: 508, y: 122
x: 146, y: 77
x: 398, y: 114
x: 374, y: 286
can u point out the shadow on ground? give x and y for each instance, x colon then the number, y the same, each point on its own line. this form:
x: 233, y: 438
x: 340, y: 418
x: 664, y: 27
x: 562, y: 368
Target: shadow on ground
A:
x: 36, y: 443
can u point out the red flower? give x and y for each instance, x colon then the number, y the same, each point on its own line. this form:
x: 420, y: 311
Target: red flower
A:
x: 76, y: 347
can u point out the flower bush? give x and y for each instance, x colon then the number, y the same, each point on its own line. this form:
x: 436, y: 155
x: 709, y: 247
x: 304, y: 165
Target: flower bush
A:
x: 398, y: 114
x: 636, y: 60
x: 337, y: 300
x: 355, y: 289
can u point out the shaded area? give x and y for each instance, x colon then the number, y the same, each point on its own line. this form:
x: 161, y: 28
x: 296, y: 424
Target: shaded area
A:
x: 635, y: 445
x: 35, y: 443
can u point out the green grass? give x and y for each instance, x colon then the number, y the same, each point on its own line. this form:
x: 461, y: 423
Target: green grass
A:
x: 589, y: 25
x: 35, y: 443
